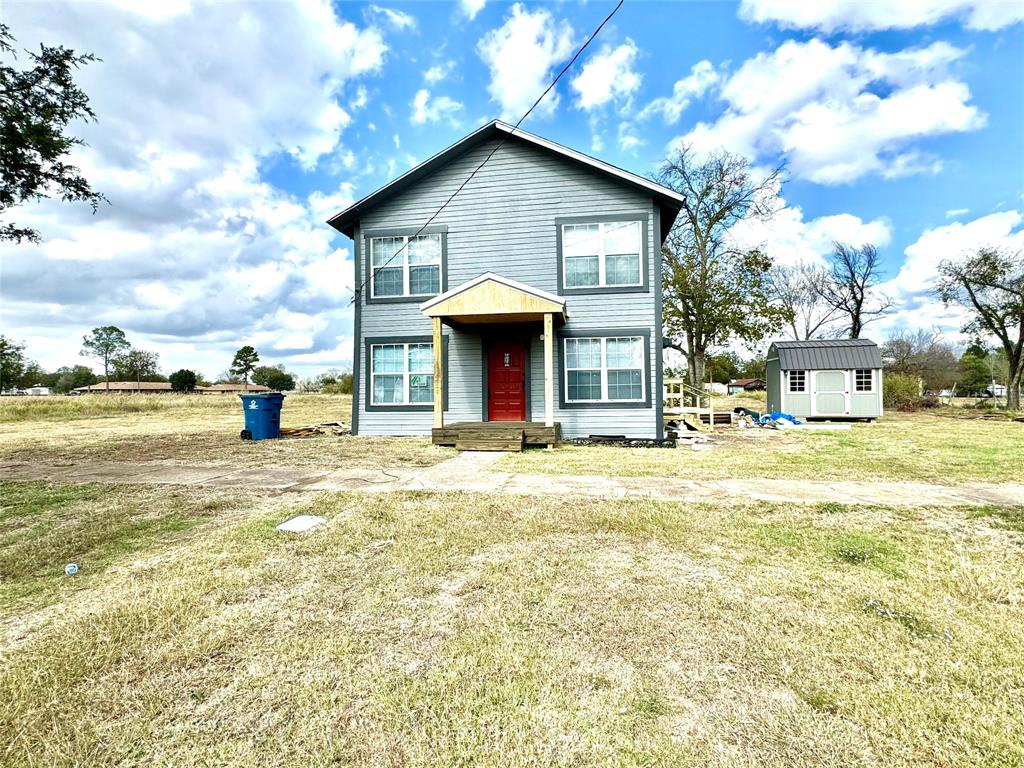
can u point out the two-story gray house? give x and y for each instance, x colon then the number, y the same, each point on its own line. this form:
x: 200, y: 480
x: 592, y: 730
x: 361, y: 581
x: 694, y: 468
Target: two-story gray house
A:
x: 529, y: 308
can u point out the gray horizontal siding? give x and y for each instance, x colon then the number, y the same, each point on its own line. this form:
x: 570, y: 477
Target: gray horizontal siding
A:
x: 504, y: 222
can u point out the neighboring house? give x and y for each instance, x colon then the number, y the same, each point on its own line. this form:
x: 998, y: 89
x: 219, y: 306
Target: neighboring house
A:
x: 231, y: 389
x: 124, y: 388
x: 534, y: 296
x: 715, y: 388
x: 38, y: 390
x: 825, y: 379
x: 745, y: 385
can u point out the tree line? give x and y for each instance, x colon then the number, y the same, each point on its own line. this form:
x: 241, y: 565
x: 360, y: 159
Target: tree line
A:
x: 121, y: 361
x: 718, y: 291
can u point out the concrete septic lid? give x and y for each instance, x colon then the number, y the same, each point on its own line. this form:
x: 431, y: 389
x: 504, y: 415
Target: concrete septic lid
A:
x: 300, y: 523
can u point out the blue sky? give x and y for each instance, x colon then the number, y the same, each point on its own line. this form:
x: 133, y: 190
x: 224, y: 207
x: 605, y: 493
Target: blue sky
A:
x: 227, y: 133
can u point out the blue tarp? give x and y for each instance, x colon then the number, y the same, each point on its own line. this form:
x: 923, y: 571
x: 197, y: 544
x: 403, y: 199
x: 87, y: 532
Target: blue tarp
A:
x: 774, y: 416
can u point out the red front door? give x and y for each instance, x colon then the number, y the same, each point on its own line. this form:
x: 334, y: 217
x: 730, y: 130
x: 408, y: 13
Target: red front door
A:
x: 506, y: 382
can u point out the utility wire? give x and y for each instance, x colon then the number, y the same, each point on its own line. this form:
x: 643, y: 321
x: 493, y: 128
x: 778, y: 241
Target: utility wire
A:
x: 566, y: 68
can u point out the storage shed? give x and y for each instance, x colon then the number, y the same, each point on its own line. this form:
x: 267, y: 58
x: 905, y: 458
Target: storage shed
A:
x: 825, y: 379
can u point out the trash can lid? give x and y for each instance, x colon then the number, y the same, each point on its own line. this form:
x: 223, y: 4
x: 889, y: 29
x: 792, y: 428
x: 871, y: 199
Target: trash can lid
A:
x: 248, y: 395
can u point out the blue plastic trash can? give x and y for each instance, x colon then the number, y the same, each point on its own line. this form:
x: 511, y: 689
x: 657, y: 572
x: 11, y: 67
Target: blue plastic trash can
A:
x: 262, y: 415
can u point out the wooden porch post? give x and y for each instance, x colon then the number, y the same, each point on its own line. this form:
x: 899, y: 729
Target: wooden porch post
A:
x: 549, y: 370
x: 438, y: 375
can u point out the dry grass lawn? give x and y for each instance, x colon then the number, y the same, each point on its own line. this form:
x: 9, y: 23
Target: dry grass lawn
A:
x: 438, y: 630
x: 197, y: 430
x: 916, y: 447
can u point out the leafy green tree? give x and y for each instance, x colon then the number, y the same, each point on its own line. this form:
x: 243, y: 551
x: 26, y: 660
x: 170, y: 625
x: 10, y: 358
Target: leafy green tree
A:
x: 723, y: 368
x: 244, y: 363
x: 974, y: 375
x: 105, y: 344
x: 69, y: 378
x: 275, y: 377
x: 36, y: 106
x: 339, y: 385
x: 12, y: 362
x: 183, y: 380
x: 137, y: 365
x: 990, y: 284
x: 34, y: 374
x: 715, y: 291
x: 754, y: 368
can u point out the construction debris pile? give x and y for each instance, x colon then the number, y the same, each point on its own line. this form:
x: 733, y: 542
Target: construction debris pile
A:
x: 332, y: 428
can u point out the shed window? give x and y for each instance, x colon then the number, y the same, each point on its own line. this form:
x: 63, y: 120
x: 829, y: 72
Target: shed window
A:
x: 864, y: 380
x: 604, y: 369
x: 602, y: 254
x: 797, y: 381
x: 406, y: 266
x: 403, y: 374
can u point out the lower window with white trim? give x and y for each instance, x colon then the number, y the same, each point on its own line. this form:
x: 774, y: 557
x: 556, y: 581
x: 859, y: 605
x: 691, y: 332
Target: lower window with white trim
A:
x: 797, y: 381
x: 402, y: 374
x: 604, y: 369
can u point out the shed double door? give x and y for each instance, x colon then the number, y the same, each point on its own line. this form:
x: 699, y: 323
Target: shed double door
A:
x: 506, y: 381
x: 831, y: 395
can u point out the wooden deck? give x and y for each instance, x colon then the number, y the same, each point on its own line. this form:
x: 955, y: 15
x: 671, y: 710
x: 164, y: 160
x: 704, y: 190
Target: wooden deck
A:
x: 495, y: 435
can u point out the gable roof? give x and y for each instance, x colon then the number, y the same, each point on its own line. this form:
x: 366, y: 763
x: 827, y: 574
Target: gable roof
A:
x: 668, y: 200
x: 827, y: 354
x: 494, y: 298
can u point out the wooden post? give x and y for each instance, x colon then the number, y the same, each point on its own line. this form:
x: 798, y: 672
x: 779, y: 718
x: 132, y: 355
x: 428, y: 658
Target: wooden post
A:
x: 438, y: 375
x: 549, y: 370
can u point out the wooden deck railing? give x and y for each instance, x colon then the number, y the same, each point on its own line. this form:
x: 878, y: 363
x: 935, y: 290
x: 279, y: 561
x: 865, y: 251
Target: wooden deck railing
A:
x: 681, y: 397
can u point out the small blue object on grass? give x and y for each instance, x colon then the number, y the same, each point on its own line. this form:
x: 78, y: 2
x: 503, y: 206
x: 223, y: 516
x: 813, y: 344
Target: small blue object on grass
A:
x: 262, y: 415
x: 71, y: 569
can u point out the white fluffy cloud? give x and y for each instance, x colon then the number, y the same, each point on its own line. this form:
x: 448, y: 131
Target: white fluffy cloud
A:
x: 196, y: 254
x: 521, y: 55
x: 399, y: 20
x: 860, y: 16
x: 472, y: 7
x: 438, y: 72
x: 703, y: 76
x: 433, y: 109
x: 839, y: 113
x: 953, y: 241
x: 608, y: 75
x: 789, y: 239
x: 913, y: 286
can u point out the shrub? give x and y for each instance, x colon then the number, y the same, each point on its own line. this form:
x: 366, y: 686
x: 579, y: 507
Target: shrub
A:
x: 902, y: 391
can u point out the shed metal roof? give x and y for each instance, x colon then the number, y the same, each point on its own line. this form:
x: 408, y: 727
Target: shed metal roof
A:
x: 668, y: 200
x: 832, y: 354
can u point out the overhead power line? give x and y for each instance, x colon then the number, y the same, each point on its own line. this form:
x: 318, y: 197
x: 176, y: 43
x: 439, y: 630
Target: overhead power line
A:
x: 490, y: 154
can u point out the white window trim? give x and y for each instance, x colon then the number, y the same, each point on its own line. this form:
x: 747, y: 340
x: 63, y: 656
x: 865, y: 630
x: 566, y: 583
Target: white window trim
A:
x: 405, y: 373
x: 404, y: 248
x: 602, y: 273
x: 789, y: 385
x: 871, y: 390
x: 604, y: 369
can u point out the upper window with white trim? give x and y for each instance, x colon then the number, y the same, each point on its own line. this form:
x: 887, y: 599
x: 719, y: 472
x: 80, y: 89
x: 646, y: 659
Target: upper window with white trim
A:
x: 402, y: 374
x: 599, y: 370
x: 864, y: 380
x: 405, y: 266
x: 602, y: 255
x: 797, y: 381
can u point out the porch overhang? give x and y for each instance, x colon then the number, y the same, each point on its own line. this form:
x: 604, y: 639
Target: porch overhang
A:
x: 491, y: 298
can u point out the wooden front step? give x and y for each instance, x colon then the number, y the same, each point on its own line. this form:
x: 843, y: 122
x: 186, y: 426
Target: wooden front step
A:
x: 468, y: 432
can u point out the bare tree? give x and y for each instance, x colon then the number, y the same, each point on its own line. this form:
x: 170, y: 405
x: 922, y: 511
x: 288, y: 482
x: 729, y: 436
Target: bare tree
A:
x: 715, y: 291
x: 922, y: 353
x: 852, y: 288
x: 990, y: 284
x: 798, y: 289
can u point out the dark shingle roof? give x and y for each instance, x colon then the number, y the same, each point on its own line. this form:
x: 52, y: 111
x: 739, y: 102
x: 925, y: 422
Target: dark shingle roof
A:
x: 833, y: 354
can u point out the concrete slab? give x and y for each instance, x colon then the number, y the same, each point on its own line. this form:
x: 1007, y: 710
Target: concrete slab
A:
x: 300, y: 524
